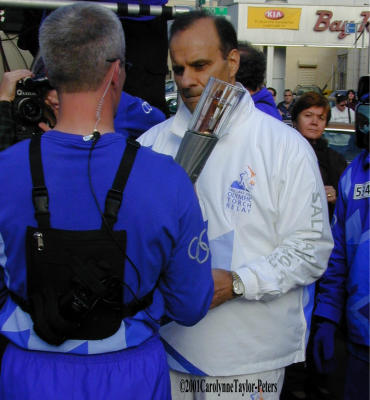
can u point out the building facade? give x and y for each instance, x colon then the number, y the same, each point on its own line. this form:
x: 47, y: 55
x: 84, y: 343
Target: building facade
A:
x: 323, y: 43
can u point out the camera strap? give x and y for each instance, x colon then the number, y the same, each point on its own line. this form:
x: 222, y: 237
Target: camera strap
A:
x: 75, y: 278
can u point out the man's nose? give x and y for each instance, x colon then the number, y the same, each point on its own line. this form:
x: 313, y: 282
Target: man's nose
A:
x: 188, y: 78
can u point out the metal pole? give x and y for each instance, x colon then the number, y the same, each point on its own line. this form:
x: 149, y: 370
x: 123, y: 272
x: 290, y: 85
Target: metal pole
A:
x: 34, y: 4
x: 332, y: 77
x: 270, y: 66
x: 360, y: 55
x: 121, y: 9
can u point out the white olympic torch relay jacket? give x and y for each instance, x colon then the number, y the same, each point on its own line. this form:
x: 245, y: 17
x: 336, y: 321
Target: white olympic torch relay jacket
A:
x: 264, y: 202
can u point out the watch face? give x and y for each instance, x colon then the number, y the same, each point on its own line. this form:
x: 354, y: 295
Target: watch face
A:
x: 237, y: 287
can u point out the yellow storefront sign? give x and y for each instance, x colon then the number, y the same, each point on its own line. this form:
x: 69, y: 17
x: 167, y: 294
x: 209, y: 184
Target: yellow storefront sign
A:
x: 274, y: 17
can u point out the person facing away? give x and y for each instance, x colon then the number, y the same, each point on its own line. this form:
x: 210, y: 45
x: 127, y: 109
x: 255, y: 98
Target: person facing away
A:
x: 251, y: 75
x: 109, y: 243
x: 285, y: 107
x: 265, y: 207
x: 341, y: 113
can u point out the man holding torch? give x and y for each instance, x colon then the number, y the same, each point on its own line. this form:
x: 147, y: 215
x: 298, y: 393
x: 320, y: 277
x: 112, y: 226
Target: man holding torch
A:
x: 264, y: 204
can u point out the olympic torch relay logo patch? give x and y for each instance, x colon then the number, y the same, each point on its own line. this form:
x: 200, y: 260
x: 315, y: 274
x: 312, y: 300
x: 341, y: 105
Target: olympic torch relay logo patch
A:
x: 239, y: 195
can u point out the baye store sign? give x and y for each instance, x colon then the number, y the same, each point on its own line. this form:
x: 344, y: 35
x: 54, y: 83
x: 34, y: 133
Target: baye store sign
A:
x: 303, y: 26
x: 326, y: 21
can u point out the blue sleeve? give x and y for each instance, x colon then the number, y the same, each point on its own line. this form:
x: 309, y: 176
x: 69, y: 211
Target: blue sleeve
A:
x: 135, y: 116
x: 3, y: 287
x: 269, y: 109
x: 187, y: 285
x: 332, y: 286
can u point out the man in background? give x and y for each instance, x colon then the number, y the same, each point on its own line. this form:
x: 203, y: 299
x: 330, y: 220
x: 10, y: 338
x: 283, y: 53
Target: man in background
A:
x: 251, y: 75
x: 273, y: 92
x: 341, y: 113
x: 285, y: 107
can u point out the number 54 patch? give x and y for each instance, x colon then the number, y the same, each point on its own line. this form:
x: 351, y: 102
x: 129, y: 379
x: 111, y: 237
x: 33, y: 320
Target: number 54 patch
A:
x: 361, y: 191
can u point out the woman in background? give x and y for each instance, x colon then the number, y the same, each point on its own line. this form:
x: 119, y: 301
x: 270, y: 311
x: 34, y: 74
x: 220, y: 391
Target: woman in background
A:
x: 351, y: 99
x: 310, y: 116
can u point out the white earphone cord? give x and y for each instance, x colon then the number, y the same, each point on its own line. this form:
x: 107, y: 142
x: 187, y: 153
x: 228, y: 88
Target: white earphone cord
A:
x: 100, y: 104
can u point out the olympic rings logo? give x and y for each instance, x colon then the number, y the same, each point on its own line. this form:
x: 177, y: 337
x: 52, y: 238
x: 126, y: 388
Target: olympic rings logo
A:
x: 199, y: 250
x: 146, y: 107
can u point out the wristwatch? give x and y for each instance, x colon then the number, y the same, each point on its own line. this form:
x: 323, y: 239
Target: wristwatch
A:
x: 238, y: 285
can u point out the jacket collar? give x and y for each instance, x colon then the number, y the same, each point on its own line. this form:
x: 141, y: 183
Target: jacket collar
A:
x: 183, y: 116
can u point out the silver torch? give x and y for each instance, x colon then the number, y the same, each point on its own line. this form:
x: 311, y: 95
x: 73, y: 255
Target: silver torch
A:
x: 216, y: 104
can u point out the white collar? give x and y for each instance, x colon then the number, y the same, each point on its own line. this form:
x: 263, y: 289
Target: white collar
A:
x: 182, y: 117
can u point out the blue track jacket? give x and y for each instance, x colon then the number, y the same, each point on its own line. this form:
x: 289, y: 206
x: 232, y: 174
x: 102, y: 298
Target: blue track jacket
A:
x: 345, y: 284
x: 264, y: 101
x: 159, y: 211
x: 135, y: 116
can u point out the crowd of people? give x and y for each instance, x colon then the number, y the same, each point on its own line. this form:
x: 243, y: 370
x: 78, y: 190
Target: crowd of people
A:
x: 120, y: 279
x: 341, y: 112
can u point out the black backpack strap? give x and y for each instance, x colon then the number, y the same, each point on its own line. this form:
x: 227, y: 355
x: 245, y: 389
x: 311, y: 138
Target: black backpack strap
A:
x: 132, y: 308
x: 21, y: 302
x: 40, y: 197
x: 127, y: 310
x: 114, y: 197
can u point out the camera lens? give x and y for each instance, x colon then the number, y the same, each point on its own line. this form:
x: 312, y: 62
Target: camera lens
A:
x: 30, y: 109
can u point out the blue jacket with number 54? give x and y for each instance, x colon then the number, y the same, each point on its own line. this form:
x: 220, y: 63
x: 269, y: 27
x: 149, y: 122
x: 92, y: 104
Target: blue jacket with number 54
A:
x: 345, y: 284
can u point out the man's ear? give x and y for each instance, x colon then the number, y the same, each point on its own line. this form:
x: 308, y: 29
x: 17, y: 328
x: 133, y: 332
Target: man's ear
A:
x: 233, y: 59
x: 117, y: 71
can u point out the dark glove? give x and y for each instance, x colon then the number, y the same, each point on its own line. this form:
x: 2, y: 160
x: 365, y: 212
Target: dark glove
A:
x: 323, y: 347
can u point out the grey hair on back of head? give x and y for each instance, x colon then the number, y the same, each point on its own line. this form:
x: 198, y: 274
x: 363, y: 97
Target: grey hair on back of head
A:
x: 75, y: 42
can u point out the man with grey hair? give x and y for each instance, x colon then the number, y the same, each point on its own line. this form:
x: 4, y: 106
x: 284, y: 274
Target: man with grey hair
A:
x: 92, y: 253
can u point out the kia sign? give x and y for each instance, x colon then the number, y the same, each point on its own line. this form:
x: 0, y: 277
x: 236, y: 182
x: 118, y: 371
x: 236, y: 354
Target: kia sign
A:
x: 274, y: 18
x: 304, y: 26
x: 274, y: 14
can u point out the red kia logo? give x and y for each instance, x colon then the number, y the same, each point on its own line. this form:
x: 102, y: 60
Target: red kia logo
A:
x: 274, y: 14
